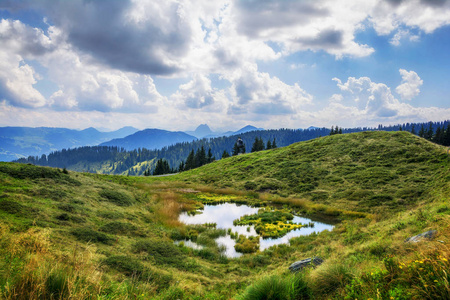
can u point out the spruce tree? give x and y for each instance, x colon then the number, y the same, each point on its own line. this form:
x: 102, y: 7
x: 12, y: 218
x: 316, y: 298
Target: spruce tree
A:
x: 225, y: 154
x: 274, y: 144
x: 190, y: 161
x: 269, y: 145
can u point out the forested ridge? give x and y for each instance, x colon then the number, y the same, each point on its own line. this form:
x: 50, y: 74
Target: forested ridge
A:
x: 116, y: 160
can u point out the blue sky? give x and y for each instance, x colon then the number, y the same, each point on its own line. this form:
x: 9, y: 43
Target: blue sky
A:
x: 228, y: 63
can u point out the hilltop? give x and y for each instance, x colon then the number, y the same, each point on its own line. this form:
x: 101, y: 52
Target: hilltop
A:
x: 78, y: 235
x: 368, y: 171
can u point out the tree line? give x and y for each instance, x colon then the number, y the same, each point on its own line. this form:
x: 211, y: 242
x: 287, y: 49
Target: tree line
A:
x: 116, y: 160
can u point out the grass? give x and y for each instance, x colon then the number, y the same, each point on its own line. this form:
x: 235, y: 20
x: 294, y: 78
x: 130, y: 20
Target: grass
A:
x: 89, y: 236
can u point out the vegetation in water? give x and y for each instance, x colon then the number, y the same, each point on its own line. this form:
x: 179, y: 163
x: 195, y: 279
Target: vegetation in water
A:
x: 269, y: 222
x: 246, y: 244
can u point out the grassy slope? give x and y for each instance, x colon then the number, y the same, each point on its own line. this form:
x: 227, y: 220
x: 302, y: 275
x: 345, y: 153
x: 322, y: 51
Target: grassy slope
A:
x: 367, y: 171
x: 82, y: 235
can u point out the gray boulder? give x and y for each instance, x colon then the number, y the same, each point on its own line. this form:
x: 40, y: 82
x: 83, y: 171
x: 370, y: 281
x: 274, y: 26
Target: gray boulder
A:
x: 299, y: 265
x: 430, y: 234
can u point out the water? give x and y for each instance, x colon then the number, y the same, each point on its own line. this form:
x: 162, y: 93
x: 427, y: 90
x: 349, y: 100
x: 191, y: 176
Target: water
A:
x: 224, y: 215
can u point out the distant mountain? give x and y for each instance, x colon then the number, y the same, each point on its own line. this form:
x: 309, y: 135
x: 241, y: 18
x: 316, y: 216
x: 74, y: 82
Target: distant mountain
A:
x: 245, y: 129
x: 16, y: 142
x: 201, y: 131
x: 150, y: 139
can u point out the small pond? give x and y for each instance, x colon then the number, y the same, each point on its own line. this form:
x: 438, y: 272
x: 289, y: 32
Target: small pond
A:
x: 224, y: 215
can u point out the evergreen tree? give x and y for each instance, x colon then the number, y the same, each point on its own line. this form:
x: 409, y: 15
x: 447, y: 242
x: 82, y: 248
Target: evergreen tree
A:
x: 190, y: 161
x: 274, y: 144
x: 413, y: 131
x: 200, y: 157
x: 210, y: 158
x: 235, y: 149
x: 332, y: 130
x: 429, y: 132
x: 181, y: 167
x: 225, y: 154
x: 422, y: 131
x: 269, y: 145
x: 437, y: 137
x: 258, y: 144
x: 446, y: 136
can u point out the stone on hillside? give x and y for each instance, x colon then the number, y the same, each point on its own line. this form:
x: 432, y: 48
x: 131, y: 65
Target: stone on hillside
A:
x: 425, y: 235
x: 299, y: 265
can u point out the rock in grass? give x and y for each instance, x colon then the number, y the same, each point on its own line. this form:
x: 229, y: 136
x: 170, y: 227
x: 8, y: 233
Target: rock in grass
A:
x: 430, y: 234
x: 299, y: 265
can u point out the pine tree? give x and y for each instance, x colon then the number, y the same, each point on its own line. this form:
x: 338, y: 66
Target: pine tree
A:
x: 225, y: 154
x: 269, y: 145
x: 413, y: 131
x: 274, y: 144
x: 429, y: 132
x: 332, y: 130
x: 235, y: 149
x: 190, y: 161
x: 422, y: 131
x: 210, y: 158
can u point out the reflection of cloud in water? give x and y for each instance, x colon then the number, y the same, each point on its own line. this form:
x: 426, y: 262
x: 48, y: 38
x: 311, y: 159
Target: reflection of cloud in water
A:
x: 190, y: 244
x: 228, y: 242
x: 224, y: 215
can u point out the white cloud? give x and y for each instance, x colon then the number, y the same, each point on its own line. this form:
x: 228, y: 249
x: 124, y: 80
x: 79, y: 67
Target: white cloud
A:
x: 388, y: 15
x: 259, y: 93
x: 401, y: 35
x: 17, y: 77
x: 198, y: 94
x: 410, y: 85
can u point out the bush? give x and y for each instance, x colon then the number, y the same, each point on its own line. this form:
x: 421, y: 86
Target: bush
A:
x: 329, y: 277
x: 118, y: 228
x: 89, y: 235
x: 277, y: 287
x: 118, y: 198
x: 163, y: 253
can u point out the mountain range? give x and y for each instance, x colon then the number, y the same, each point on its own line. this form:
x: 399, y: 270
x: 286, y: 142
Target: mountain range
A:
x: 17, y: 142
x: 203, y: 131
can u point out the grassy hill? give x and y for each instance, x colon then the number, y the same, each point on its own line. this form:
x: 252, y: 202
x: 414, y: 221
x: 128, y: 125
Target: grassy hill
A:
x: 68, y: 235
x: 366, y: 171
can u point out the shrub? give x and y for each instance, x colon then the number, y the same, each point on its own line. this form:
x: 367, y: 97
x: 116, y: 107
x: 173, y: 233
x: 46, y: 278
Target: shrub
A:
x: 163, y: 253
x: 277, y: 287
x: 118, y: 228
x: 89, y: 235
x: 329, y: 277
x: 118, y: 198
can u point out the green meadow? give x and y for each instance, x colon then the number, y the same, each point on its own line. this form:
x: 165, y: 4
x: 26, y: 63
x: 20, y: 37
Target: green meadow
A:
x: 70, y: 235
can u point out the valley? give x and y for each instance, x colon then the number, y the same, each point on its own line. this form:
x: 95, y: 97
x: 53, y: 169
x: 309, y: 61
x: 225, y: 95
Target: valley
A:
x: 73, y: 235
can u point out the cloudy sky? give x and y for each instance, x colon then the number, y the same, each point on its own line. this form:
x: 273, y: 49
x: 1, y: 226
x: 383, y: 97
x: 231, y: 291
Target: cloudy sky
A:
x: 175, y: 64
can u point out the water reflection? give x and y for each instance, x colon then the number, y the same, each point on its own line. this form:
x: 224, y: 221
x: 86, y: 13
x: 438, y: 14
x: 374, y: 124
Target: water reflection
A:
x: 224, y: 214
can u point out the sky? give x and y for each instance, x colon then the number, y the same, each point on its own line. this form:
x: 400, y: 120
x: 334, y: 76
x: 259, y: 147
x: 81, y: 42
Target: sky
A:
x: 176, y: 64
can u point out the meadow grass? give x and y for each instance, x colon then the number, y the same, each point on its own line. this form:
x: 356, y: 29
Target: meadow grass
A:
x: 62, y: 237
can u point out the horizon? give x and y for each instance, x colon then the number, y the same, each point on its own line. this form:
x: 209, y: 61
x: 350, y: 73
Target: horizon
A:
x: 271, y: 64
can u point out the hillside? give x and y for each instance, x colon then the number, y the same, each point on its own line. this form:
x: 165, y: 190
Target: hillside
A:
x: 367, y: 170
x: 68, y: 235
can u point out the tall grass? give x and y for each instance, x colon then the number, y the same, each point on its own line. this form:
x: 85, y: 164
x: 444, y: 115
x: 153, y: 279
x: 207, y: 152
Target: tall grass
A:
x: 277, y: 287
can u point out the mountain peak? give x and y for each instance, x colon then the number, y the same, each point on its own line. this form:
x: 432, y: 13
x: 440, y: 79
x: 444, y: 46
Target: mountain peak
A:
x: 203, y: 129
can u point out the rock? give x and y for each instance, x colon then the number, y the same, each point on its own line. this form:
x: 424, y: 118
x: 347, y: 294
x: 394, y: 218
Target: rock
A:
x: 299, y: 265
x: 425, y: 235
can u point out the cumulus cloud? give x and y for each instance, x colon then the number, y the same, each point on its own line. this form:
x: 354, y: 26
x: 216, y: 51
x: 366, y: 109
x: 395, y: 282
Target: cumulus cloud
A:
x: 198, y: 94
x: 410, y: 85
x: 427, y: 15
x: 16, y: 76
x: 259, y: 93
